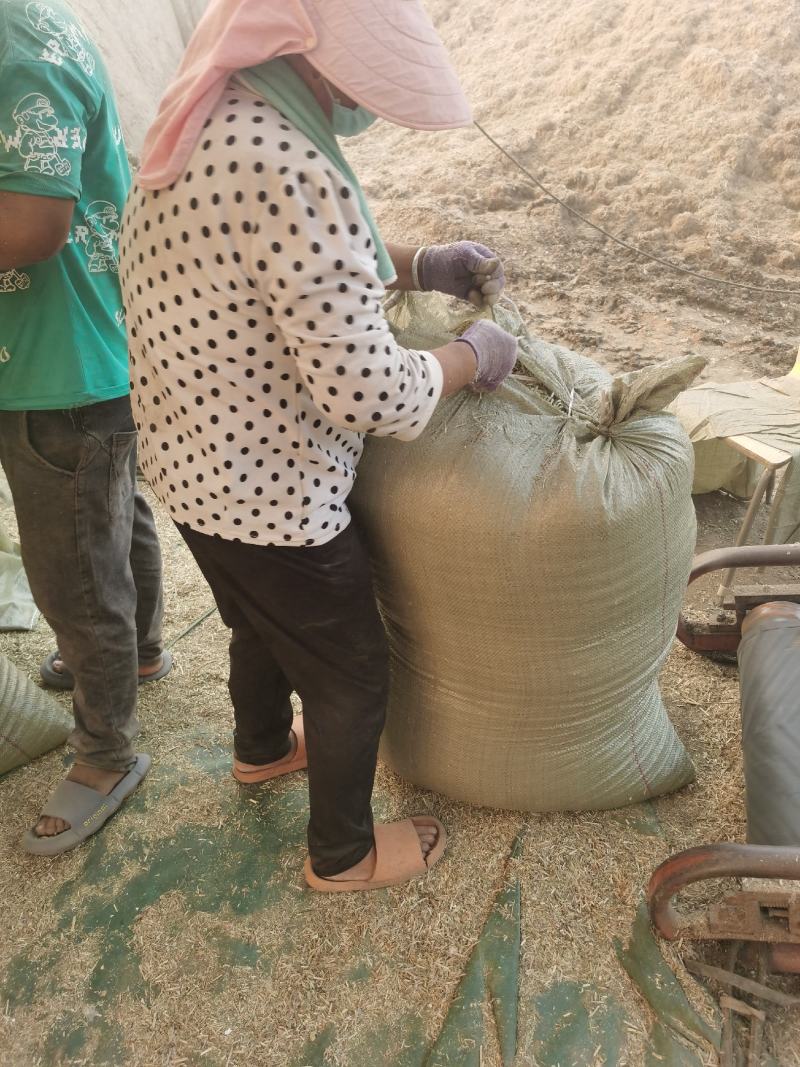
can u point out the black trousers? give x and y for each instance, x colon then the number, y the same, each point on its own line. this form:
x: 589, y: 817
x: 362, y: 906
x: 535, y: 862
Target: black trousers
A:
x: 305, y: 620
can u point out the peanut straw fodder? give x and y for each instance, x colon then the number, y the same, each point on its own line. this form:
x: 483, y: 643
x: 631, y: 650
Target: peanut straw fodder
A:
x: 531, y: 551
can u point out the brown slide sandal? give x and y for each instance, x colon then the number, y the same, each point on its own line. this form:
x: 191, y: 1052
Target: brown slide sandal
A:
x: 296, y: 760
x: 398, y: 858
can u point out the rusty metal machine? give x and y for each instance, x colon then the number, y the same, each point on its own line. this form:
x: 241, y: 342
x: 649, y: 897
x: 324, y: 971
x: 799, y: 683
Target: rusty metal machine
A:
x: 721, y: 636
x: 760, y: 921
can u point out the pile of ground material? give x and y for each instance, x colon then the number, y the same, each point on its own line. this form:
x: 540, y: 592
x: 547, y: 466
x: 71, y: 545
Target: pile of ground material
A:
x: 674, y: 124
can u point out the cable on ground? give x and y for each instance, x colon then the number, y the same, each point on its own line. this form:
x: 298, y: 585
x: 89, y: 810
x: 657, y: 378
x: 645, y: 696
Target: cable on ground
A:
x: 192, y: 627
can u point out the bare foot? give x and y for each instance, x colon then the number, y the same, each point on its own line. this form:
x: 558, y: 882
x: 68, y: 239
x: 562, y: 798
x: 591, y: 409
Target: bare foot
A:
x: 102, y: 781
x: 144, y: 672
x: 363, y: 871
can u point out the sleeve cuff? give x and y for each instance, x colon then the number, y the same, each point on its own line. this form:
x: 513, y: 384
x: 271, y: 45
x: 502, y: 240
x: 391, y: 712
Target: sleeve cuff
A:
x: 21, y: 183
x: 424, y: 415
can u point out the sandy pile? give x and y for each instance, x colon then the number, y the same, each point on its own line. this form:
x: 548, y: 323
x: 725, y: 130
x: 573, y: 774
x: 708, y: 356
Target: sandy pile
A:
x: 677, y: 125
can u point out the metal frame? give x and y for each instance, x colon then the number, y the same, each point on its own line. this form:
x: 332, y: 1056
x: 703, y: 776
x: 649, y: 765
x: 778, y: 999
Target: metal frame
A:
x: 772, y: 916
x: 725, y: 637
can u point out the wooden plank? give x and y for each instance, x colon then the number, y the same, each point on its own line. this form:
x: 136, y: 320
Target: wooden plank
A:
x: 741, y: 1007
x: 774, y: 458
x: 737, y: 981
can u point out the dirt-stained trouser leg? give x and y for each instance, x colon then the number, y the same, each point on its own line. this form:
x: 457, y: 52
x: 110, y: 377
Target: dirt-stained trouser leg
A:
x: 72, y: 476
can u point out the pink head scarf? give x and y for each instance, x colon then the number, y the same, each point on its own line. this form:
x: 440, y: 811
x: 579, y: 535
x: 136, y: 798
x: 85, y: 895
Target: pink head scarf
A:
x: 384, y: 54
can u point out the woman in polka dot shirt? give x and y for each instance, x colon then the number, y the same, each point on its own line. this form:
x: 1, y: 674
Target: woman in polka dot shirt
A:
x: 253, y: 276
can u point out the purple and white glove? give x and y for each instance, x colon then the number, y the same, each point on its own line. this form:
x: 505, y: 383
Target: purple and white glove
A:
x: 467, y: 270
x: 496, y: 353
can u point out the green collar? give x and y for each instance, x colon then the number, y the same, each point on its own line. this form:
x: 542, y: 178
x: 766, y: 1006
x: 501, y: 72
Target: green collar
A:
x: 277, y: 83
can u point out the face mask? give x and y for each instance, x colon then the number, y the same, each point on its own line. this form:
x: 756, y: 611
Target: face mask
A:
x: 349, y: 121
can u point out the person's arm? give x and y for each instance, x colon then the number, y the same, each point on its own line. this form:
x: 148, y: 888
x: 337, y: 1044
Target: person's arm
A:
x: 46, y: 109
x: 402, y: 256
x: 489, y: 356
x: 32, y: 228
x: 465, y: 269
x: 321, y: 286
x: 459, y: 366
x: 322, y: 289
x: 457, y: 359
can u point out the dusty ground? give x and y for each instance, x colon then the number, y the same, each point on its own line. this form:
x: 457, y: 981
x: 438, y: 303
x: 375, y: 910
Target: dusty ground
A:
x: 578, y: 289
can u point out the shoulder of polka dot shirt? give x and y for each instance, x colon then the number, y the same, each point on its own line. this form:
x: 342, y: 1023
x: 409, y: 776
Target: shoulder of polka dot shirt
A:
x: 257, y: 143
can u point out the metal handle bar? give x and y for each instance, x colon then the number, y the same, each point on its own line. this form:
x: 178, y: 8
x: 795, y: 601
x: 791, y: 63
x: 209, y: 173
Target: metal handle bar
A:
x: 721, y: 559
x: 712, y: 861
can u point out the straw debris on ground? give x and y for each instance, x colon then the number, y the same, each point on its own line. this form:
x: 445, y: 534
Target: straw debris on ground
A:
x: 183, y: 933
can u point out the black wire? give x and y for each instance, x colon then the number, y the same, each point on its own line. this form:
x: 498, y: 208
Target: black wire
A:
x: 624, y: 244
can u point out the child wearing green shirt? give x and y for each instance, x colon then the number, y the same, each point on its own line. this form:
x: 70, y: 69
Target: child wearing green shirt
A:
x: 67, y: 436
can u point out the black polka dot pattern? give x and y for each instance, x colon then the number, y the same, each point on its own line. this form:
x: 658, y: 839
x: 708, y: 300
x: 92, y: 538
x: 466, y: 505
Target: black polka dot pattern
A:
x: 259, y: 353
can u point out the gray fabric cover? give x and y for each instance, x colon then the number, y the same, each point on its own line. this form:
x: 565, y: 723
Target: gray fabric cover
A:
x: 769, y: 665
x: 531, y: 551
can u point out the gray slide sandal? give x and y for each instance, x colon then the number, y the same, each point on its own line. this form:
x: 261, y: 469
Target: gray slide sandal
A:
x: 84, y: 809
x: 63, y: 679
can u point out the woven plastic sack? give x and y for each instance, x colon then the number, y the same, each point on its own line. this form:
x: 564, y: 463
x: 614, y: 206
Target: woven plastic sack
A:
x: 531, y: 550
x: 31, y: 722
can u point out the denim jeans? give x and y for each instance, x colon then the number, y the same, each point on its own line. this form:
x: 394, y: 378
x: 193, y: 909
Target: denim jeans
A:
x: 305, y: 619
x: 93, y: 561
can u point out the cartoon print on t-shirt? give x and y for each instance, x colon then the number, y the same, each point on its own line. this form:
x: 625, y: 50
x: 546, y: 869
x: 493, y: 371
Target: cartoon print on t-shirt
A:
x: 38, y: 136
x: 13, y: 281
x: 65, y: 40
x: 99, y: 237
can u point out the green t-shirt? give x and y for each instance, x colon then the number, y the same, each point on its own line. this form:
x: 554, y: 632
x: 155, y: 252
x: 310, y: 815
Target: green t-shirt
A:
x: 62, y: 327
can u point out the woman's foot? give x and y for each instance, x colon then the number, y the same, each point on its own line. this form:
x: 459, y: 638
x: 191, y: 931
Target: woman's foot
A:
x: 364, y: 869
x: 403, y: 850
x: 295, y: 759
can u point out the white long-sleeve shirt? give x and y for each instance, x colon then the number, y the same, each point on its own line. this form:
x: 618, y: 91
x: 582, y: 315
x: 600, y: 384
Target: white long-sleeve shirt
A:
x: 259, y: 352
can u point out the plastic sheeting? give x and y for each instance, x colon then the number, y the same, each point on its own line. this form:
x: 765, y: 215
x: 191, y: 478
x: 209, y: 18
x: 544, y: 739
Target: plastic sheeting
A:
x: 142, y: 46
x: 17, y: 609
x: 188, y: 13
x: 768, y: 410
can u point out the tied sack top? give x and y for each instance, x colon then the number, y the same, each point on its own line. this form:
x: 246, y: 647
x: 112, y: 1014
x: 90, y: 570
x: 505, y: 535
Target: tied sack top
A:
x: 259, y: 351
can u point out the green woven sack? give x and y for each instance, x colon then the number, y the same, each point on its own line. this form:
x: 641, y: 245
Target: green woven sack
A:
x: 31, y: 722
x: 531, y: 550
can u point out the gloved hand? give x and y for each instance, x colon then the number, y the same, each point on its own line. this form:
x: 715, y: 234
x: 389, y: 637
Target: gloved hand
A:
x: 467, y: 270
x: 496, y: 353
